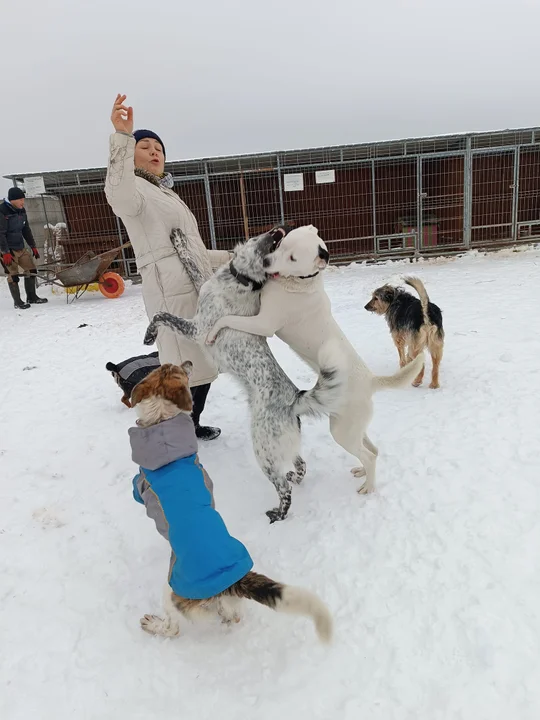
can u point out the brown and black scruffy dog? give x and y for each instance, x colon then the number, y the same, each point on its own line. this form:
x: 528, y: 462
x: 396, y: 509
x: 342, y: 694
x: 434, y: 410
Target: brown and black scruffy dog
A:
x: 414, y: 324
x: 210, y: 571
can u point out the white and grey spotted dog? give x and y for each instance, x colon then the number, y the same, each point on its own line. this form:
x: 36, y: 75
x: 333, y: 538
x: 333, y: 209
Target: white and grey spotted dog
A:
x: 276, y: 404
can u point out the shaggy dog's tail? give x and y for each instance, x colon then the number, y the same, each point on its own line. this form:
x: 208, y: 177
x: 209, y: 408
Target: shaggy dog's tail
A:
x: 285, y: 599
x: 418, y: 285
x: 403, y: 377
x: 327, y: 395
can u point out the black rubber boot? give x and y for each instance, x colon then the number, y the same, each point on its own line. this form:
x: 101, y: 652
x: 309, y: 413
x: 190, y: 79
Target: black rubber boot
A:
x: 16, y: 295
x: 203, y: 432
x: 31, y: 295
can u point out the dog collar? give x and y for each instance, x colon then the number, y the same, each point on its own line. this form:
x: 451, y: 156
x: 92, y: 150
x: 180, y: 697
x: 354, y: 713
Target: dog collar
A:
x: 244, y: 280
x: 306, y: 277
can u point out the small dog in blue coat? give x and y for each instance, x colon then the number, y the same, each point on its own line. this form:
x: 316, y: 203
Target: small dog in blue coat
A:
x: 210, y: 571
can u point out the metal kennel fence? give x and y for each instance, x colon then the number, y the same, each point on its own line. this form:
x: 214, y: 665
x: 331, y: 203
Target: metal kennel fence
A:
x: 415, y: 197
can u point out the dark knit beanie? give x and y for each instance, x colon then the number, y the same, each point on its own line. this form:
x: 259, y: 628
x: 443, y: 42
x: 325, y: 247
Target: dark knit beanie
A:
x: 15, y: 193
x: 142, y: 134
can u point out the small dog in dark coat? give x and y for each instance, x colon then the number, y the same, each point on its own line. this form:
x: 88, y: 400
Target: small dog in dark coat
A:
x: 132, y: 371
x: 414, y: 324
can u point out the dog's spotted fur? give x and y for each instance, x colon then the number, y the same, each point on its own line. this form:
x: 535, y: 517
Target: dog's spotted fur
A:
x: 275, y: 402
x: 414, y: 324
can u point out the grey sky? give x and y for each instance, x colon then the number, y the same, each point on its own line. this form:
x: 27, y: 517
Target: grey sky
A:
x: 214, y: 77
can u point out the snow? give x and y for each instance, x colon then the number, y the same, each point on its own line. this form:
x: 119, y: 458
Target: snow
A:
x: 433, y: 581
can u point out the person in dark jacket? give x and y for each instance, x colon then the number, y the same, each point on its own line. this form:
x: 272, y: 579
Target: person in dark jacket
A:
x: 16, y: 259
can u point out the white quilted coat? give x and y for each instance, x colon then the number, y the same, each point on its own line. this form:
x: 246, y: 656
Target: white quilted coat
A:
x: 150, y: 213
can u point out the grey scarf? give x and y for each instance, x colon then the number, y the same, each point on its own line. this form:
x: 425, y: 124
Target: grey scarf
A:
x: 166, y: 180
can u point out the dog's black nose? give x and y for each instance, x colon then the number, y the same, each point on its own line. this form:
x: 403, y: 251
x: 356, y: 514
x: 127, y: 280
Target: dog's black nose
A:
x: 266, y: 262
x: 367, y: 307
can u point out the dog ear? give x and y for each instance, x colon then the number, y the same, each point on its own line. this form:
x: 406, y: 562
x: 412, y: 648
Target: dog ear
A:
x: 187, y: 367
x: 323, y: 258
x: 179, y: 396
x: 277, y: 233
x: 388, y: 294
x: 148, y: 387
x: 138, y: 393
x: 175, y: 388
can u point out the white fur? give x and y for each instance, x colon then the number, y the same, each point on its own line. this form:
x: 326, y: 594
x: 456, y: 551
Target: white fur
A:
x: 297, y: 601
x: 275, y: 402
x: 299, y: 312
x: 169, y: 626
x: 154, y: 410
x: 229, y: 608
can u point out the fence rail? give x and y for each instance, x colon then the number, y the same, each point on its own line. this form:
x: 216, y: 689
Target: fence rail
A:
x: 402, y: 199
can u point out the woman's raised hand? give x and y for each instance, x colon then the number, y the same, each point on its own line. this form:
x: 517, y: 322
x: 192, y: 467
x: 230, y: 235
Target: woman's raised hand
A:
x: 122, y: 116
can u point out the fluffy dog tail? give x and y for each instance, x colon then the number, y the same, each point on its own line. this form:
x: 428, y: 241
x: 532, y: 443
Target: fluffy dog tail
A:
x: 327, y: 395
x: 418, y: 285
x: 284, y: 599
x: 403, y: 377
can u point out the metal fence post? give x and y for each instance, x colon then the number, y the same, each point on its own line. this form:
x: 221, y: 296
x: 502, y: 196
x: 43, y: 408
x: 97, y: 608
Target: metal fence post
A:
x: 419, y: 213
x: 467, y: 195
x: 280, y: 187
x: 374, y: 208
x: 209, y: 207
x: 515, y: 194
x: 123, y: 251
x: 44, y: 209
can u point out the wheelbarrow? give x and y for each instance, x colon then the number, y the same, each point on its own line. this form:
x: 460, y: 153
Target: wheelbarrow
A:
x: 89, y: 269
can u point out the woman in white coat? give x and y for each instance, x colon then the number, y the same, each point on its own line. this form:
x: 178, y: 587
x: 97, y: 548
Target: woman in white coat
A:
x: 140, y: 193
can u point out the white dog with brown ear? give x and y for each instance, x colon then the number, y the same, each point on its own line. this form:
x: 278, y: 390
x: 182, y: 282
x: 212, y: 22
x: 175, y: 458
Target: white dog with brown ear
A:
x: 296, y: 308
x: 210, y: 571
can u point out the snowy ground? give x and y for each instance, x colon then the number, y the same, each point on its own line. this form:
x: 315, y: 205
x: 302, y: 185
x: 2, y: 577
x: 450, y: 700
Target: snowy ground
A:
x: 433, y: 581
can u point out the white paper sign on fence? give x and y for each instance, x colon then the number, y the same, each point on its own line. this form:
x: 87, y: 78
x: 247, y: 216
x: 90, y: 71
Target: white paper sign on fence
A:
x: 325, y: 176
x: 34, y: 186
x: 293, y: 182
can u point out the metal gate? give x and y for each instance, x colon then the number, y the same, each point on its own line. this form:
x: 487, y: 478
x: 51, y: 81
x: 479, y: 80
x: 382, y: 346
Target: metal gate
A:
x: 441, y: 202
x: 493, y: 196
x: 420, y: 204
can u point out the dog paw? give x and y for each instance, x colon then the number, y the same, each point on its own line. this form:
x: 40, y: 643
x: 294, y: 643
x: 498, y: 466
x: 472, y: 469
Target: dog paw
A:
x: 294, y: 478
x: 417, y: 383
x: 358, y: 471
x: 434, y: 386
x: 300, y: 473
x: 48, y: 518
x: 230, y: 620
x: 150, y: 337
x: 365, y: 489
x: 155, y: 625
x: 274, y: 515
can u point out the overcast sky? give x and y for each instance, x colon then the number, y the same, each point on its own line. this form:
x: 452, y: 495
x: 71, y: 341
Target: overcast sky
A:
x: 214, y: 77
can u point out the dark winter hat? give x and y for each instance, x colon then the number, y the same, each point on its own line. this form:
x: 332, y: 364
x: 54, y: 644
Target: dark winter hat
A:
x: 142, y: 134
x: 15, y: 193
